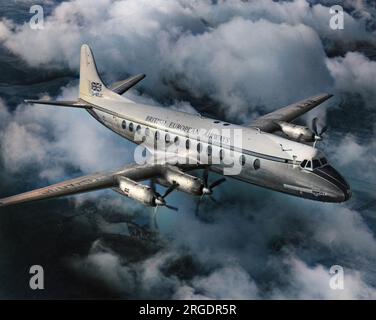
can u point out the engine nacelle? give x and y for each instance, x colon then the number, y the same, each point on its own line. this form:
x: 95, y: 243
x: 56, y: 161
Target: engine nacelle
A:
x: 137, y: 191
x: 296, y: 132
x: 187, y: 183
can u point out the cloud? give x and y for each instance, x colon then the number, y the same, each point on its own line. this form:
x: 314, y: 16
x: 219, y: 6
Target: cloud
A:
x: 313, y: 283
x: 209, y: 50
x: 108, y: 265
x: 54, y: 137
x: 283, y: 254
x: 230, y: 282
x: 355, y: 74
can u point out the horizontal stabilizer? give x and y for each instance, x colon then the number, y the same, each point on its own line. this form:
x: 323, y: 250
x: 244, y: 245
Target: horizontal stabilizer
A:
x: 124, y: 85
x: 74, y: 104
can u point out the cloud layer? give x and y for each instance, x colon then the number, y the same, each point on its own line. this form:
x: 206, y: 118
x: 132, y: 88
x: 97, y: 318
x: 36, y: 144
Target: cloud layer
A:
x: 210, y: 51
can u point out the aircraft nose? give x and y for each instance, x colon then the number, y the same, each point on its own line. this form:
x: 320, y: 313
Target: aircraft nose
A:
x: 341, y: 195
x: 341, y: 189
x: 348, y: 194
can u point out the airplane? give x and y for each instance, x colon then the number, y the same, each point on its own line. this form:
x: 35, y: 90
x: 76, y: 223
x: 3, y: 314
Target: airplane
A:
x: 274, y: 153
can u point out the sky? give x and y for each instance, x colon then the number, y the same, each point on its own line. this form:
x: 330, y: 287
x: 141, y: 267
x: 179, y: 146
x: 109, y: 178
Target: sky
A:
x: 232, y: 60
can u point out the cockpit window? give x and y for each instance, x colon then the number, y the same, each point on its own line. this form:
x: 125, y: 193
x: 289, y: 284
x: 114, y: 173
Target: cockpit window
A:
x: 323, y: 161
x: 313, y: 163
x: 316, y: 163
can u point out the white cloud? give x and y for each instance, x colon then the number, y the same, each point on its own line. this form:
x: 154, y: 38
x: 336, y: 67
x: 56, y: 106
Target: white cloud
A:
x: 355, y: 73
x: 356, y: 157
x: 229, y: 282
x: 210, y: 50
x: 53, y: 137
x: 314, y: 283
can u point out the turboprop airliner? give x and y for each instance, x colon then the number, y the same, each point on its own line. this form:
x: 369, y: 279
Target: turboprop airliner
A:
x: 270, y: 152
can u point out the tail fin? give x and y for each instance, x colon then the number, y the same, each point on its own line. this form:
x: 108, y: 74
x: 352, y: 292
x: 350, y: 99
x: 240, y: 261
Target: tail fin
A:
x: 91, y: 85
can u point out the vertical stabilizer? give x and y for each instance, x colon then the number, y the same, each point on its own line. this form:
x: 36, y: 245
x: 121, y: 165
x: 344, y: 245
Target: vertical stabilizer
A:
x: 91, y: 85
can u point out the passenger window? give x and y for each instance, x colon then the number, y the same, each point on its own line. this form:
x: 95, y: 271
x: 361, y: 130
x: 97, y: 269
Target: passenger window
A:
x: 187, y: 144
x: 199, y: 147
x: 242, y: 160
x: 176, y: 140
x: 167, y: 138
x: 131, y: 127
x: 256, y: 164
x: 138, y: 129
x: 147, y: 132
x: 221, y: 154
x: 124, y: 125
x: 209, y: 150
x: 316, y: 163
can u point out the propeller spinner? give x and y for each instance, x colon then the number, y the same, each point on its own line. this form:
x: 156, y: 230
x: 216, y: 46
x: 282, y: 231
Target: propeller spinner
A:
x: 318, y: 133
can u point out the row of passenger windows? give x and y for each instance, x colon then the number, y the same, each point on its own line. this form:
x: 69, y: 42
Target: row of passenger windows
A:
x: 209, y: 150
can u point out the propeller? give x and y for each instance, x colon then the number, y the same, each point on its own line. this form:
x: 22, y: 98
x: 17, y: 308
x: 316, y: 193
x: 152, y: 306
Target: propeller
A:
x: 159, y: 199
x: 207, y: 189
x: 318, y: 133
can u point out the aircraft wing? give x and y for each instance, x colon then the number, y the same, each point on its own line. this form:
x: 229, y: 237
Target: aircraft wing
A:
x: 124, y: 85
x: 82, y: 184
x: 267, y: 123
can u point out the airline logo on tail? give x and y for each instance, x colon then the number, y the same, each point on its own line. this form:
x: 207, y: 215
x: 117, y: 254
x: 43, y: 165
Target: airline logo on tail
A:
x: 96, y: 89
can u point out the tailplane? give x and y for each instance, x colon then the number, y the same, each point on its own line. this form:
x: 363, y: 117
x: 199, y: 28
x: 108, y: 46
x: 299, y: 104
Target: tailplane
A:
x: 91, y: 85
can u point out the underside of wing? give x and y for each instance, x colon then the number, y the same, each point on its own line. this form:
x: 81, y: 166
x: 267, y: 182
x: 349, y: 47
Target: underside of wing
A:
x: 83, y: 184
x: 268, y: 122
x: 74, y: 186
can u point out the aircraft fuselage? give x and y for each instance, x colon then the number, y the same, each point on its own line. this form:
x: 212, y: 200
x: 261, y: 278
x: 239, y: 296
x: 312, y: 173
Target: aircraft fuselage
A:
x: 263, y: 159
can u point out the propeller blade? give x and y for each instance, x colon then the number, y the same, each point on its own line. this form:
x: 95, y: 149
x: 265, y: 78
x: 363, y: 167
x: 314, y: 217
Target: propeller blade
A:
x: 171, y: 207
x: 323, y: 130
x: 197, y: 209
x: 170, y: 189
x: 217, y: 183
x: 153, y: 219
x: 314, y: 125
